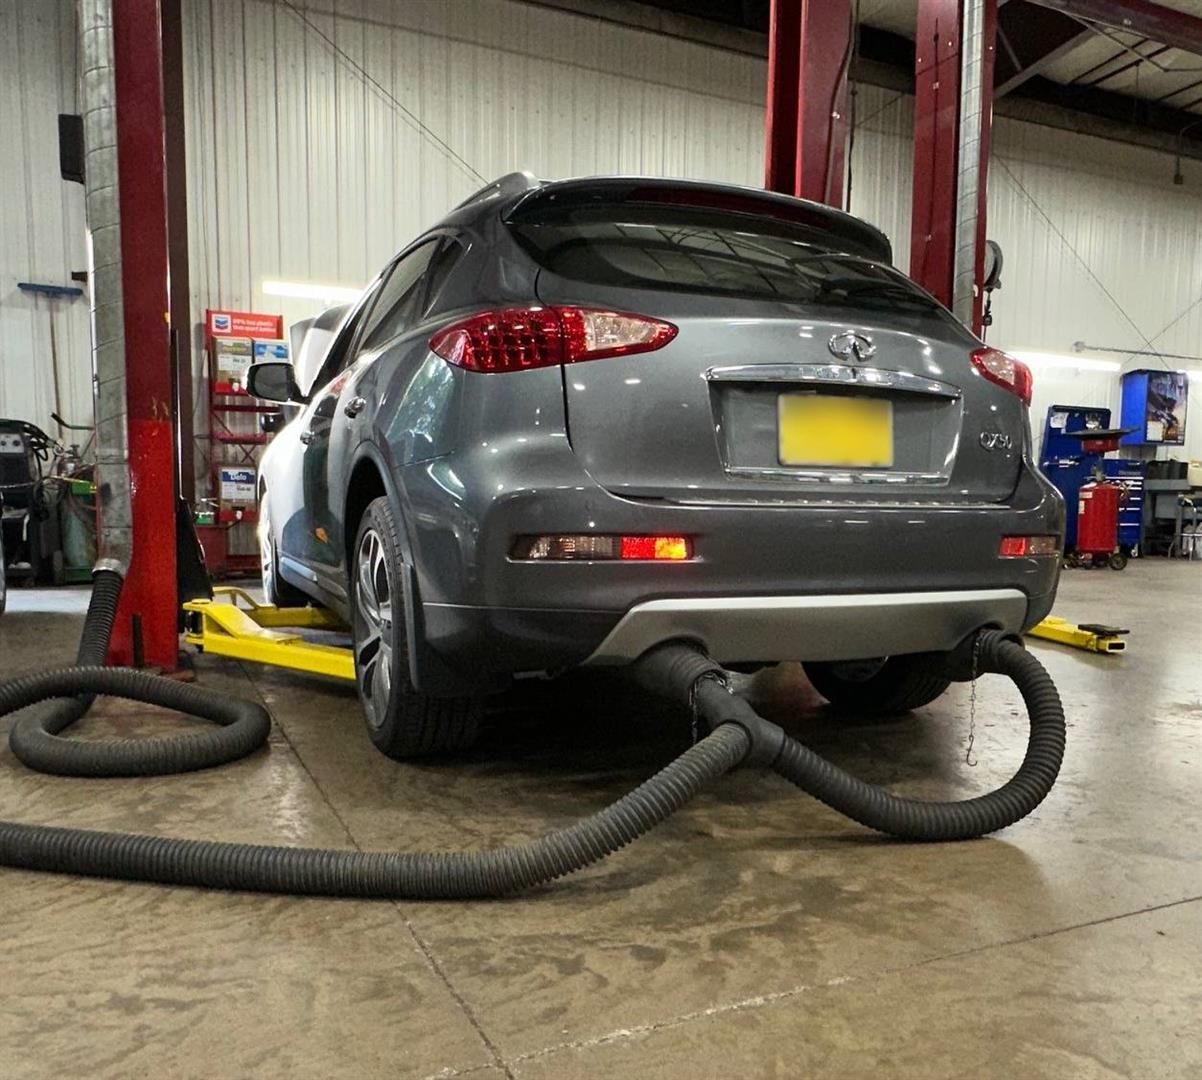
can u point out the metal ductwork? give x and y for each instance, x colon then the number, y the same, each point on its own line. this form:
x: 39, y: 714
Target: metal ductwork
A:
x: 98, y: 95
x: 968, y: 179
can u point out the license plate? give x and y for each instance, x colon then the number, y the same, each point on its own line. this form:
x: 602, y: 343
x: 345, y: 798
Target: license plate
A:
x: 829, y: 430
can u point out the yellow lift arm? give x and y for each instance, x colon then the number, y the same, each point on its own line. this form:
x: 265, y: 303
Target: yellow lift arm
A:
x: 1093, y: 637
x: 234, y: 624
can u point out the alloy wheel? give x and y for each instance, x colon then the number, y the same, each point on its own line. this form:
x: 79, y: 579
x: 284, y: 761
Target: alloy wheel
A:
x: 374, y: 633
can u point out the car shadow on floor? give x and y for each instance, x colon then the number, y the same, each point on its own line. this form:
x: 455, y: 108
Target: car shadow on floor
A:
x: 601, y: 723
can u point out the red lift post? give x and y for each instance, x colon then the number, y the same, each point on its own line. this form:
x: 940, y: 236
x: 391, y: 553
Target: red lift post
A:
x: 146, y: 625
x: 809, y: 53
x: 938, y: 101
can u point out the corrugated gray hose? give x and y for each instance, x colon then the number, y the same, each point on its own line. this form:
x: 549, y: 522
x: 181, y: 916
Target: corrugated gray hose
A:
x: 739, y: 736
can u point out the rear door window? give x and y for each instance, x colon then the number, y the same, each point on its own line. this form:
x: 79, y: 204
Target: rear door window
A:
x: 440, y: 269
x: 682, y: 249
x: 400, y: 298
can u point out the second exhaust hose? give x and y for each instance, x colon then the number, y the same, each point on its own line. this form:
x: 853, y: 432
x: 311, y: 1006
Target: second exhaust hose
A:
x: 679, y: 671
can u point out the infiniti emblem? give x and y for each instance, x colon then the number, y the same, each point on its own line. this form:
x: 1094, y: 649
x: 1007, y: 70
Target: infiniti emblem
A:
x: 852, y: 346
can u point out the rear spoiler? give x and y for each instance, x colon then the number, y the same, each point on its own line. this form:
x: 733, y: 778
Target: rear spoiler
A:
x: 854, y: 236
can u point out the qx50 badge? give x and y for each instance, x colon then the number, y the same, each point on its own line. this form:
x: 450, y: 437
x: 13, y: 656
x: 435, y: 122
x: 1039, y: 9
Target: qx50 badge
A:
x: 996, y: 440
x: 852, y: 346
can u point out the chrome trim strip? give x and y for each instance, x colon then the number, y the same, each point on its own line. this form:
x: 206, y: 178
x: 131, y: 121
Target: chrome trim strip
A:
x: 835, y: 375
x: 825, y: 627
x: 769, y: 472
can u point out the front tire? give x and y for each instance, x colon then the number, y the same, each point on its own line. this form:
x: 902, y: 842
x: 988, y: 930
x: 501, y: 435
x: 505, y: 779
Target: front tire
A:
x: 275, y: 589
x: 877, y: 688
x: 401, y: 722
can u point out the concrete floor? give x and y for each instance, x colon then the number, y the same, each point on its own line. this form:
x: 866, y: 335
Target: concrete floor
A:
x: 756, y: 934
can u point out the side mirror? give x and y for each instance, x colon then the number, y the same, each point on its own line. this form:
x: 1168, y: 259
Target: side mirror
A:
x: 272, y: 380
x: 270, y: 423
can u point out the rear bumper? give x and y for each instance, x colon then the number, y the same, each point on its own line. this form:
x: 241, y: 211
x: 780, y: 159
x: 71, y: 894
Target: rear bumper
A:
x: 732, y: 629
x: 772, y: 581
x: 483, y: 643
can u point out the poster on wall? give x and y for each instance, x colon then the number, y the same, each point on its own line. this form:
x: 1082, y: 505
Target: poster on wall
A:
x: 1154, y: 405
x: 1167, y: 395
x: 241, y: 324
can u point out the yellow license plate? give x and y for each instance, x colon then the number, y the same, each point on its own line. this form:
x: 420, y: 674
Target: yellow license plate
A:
x: 829, y: 430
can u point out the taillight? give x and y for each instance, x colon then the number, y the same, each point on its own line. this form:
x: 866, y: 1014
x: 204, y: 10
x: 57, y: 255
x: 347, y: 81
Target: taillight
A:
x: 1005, y: 371
x: 518, y: 339
x: 1028, y: 547
x: 605, y: 548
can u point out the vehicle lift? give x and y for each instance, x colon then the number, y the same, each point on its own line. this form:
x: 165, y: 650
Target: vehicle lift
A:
x: 236, y: 625
x: 1092, y: 637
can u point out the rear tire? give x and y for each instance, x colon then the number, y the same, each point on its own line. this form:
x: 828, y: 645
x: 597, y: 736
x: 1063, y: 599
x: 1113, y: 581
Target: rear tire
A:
x: 898, y: 685
x: 401, y: 722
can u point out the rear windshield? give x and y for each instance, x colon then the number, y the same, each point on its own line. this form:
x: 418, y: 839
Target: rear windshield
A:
x: 685, y: 250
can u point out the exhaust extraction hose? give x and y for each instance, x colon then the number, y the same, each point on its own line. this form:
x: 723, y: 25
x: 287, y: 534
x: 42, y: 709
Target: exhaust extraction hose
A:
x: 739, y: 736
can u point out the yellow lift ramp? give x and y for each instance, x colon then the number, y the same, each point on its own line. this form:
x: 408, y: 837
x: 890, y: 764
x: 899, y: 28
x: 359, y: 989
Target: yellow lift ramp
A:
x: 1093, y: 637
x: 234, y: 624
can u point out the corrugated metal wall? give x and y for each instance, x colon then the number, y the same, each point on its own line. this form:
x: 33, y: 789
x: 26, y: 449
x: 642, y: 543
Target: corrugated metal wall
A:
x: 320, y: 143
x: 324, y: 135
x: 41, y: 217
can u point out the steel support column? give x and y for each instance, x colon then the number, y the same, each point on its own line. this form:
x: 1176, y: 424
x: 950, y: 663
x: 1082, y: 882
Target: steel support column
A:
x: 978, y: 34
x: 809, y: 51
x: 146, y: 626
x: 939, y: 173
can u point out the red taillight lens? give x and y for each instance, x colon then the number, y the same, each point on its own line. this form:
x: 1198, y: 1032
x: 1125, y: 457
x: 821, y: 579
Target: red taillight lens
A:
x: 518, y: 339
x: 603, y: 548
x: 1005, y: 371
x: 660, y: 548
x: 514, y: 339
x: 1027, y: 547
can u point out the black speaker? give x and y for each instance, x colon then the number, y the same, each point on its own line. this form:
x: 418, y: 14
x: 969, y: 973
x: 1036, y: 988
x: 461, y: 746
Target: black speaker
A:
x: 70, y: 147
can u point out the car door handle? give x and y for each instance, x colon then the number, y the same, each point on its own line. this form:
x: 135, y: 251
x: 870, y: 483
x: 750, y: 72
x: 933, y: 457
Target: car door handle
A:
x: 354, y: 407
x: 306, y: 436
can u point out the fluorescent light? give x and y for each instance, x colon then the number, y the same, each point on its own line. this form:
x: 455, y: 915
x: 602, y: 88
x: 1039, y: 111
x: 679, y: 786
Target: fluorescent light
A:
x: 307, y: 290
x: 1057, y: 360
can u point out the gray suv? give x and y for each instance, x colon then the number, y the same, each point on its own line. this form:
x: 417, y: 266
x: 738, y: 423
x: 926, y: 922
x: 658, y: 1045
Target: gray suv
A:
x: 578, y: 418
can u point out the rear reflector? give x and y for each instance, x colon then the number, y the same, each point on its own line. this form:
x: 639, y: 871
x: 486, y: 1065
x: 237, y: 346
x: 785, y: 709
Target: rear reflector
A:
x: 1025, y: 547
x: 1005, y: 371
x: 629, y: 548
x: 522, y: 338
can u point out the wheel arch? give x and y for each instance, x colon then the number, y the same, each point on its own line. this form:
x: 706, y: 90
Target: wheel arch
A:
x: 370, y: 479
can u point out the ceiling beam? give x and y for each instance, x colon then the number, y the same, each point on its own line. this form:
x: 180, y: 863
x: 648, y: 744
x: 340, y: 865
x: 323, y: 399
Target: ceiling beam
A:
x: 1040, y: 65
x: 1169, y: 27
x: 1032, y: 39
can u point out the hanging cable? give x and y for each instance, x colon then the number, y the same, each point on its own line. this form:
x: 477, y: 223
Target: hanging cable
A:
x: 388, y: 96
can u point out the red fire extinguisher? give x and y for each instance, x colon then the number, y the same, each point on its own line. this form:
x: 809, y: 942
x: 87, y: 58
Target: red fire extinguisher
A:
x: 1098, y: 523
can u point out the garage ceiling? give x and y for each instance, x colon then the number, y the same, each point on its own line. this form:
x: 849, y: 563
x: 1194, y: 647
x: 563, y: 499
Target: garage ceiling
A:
x: 1090, y: 55
x: 1060, y: 61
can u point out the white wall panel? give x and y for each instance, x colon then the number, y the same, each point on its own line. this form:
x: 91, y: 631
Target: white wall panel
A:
x: 318, y: 145
x: 41, y: 217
